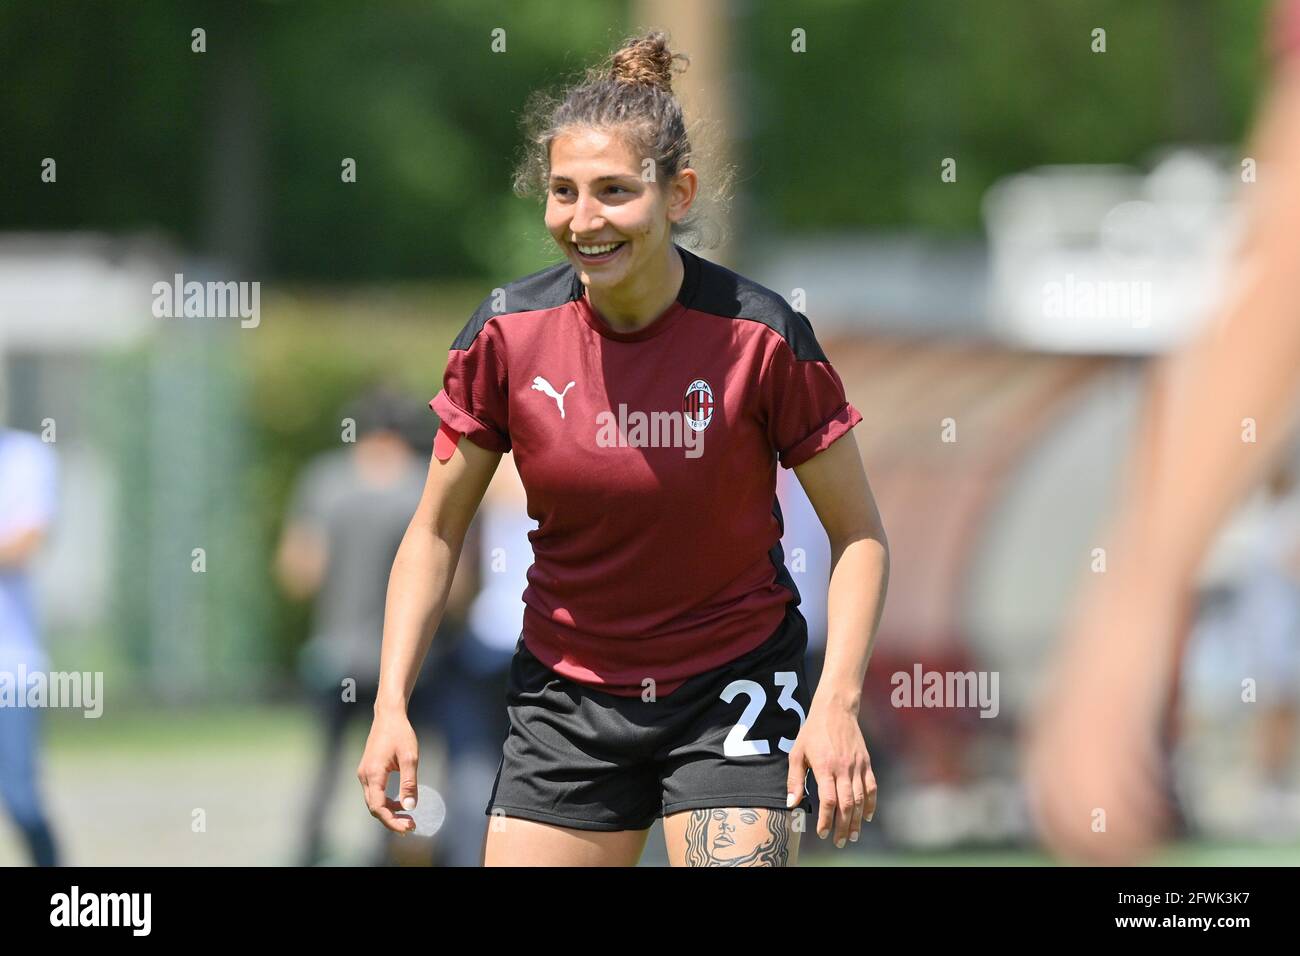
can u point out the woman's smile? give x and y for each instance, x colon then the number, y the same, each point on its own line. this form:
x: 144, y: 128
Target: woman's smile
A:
x: 598, y: 253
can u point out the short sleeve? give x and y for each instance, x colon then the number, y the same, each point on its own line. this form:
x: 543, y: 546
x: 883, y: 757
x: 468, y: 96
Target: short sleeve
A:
x: 803, y: 399
x: 473, y: 395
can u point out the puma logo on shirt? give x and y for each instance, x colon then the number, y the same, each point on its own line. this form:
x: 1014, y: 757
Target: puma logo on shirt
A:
x: 542, y: 385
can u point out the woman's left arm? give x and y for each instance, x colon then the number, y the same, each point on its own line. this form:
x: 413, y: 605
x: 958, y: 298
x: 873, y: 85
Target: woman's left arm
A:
x: 830, y: 742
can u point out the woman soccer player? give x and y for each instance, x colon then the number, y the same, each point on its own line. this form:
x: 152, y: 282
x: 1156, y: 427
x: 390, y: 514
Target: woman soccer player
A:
x: 648, y: 395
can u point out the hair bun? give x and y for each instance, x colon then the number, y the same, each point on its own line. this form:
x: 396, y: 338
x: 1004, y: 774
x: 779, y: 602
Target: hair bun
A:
x: 646, y: 60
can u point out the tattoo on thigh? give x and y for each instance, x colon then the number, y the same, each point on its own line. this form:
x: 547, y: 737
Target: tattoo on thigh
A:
x: 737, y: 837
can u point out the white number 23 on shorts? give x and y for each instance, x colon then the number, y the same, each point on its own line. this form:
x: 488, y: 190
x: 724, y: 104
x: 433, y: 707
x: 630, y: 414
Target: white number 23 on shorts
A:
x: 737, y: 744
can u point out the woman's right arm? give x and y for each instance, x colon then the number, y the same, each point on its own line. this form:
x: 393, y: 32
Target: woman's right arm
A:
x: 418, y: 586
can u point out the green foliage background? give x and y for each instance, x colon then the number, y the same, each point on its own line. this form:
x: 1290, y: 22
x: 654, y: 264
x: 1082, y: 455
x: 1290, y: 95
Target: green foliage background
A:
x: 237, y: 151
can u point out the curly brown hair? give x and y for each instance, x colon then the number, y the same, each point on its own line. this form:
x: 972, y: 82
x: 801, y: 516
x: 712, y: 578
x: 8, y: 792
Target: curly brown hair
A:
x: 630, y: 94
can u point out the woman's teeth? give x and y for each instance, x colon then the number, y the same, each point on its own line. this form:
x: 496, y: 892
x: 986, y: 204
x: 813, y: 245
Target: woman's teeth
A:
x: 599, y: 250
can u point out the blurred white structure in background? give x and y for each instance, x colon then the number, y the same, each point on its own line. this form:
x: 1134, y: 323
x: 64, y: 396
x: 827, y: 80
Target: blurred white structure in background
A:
x: 1086, y: 259
x: 1105, y: 259
x: 66, y: 299
x: 893, y: 282
x: 146, y: 420
x: 76, y: 292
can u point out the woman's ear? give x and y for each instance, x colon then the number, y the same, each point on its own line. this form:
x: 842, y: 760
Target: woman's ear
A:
x: 682, y: 192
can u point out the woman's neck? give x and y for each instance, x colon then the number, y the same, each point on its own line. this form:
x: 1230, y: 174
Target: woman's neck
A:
x: 627, y: 310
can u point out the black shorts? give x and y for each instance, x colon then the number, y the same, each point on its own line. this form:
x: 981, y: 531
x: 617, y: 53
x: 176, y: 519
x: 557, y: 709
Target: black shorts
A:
x: 581, y: 758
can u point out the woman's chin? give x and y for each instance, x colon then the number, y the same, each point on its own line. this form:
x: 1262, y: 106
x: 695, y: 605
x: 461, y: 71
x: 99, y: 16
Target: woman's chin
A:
x: 596, y: 278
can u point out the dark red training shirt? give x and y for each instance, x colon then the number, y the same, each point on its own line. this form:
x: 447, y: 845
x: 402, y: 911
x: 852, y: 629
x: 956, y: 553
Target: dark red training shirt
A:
x: 650, y: 561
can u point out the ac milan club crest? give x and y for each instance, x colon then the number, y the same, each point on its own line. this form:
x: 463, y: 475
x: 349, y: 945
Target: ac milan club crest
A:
x: 698, y: 405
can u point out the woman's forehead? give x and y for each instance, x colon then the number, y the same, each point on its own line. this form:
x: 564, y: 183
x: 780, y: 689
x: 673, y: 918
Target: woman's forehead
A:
x: 591, y: 152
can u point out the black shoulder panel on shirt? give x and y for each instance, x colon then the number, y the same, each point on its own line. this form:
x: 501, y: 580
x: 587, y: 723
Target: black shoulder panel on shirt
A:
x: 546, y: 289
x: 726, y: 293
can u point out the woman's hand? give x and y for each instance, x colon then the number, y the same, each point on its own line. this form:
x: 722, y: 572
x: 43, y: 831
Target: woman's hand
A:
x: 830, y: 744
x: 390, y: 746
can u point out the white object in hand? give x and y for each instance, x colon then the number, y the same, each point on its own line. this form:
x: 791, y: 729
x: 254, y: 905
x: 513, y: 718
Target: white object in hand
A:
x: 429, y: 812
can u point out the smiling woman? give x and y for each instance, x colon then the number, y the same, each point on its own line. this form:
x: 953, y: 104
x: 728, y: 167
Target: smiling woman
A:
x: 660, y: 671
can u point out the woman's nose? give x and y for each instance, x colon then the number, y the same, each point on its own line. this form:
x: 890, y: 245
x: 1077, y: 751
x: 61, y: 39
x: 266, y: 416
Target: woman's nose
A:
x: 586, y: 217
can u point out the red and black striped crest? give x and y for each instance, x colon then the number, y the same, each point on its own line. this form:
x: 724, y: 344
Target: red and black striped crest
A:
x: 698, y: 405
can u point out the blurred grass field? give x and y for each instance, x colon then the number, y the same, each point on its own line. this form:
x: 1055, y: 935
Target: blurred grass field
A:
x: 125, y: 794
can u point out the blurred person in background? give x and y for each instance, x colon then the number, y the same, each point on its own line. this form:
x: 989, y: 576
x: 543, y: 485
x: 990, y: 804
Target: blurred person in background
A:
x: 1096, y: 750
x: 28, y: 496
x: 1249, y: 627
x: 347, y: 514
x: 1269, y: 622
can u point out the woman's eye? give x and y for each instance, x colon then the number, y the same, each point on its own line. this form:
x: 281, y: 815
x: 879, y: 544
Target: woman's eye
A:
x: 564, y: 190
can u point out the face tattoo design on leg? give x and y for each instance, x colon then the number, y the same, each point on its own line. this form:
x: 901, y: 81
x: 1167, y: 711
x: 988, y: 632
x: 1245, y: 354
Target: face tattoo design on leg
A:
x: 737, y: 837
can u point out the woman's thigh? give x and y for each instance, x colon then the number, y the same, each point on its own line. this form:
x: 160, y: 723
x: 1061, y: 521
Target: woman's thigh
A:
x: 511, y: 841
x: 732, y: 836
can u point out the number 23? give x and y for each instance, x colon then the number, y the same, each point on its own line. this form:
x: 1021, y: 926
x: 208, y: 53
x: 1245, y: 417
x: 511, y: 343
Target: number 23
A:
x: 736, y: 744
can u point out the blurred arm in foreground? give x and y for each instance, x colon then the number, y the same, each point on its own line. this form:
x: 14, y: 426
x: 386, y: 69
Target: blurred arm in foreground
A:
x: 1093, y: 750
